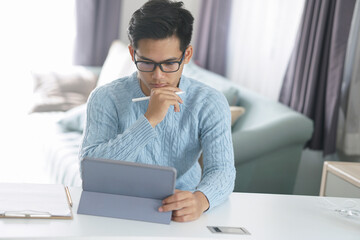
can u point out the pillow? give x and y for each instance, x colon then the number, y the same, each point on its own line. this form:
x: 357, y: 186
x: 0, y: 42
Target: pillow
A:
x: 118, y: 64
x: 74, y: 119
x: 236, y: 112
x: 61, y: 89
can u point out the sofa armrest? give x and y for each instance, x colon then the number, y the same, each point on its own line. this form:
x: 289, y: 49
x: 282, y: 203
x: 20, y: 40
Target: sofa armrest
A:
x: 270, y: 134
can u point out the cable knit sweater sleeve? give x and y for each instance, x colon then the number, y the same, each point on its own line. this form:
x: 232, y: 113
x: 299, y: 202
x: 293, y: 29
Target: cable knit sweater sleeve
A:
x: 218, y: 157
x: 101, y: 138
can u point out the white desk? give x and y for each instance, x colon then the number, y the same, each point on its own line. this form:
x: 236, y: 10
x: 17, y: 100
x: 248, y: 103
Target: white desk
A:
x: 265, y: 216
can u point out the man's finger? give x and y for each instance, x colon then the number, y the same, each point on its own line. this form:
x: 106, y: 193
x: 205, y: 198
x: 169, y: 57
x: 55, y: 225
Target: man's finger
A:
x: 177, y: 196
x: 185, y: 218
x: 177, y: 107
x: 169, y: 96
x: 179, y: 99
x: 183, y: 211
x: 166, y: 89
x: 169, y: 88
x: 175, y: 206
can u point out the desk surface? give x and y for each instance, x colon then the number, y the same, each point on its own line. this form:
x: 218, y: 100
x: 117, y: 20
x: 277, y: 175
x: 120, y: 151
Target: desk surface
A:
x: 265, y: 216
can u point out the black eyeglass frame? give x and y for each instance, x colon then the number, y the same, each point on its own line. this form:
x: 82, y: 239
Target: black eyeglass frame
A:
x: 159, y: 64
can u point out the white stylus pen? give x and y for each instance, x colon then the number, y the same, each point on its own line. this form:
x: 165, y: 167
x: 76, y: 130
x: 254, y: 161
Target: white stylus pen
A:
x: 148, y: 97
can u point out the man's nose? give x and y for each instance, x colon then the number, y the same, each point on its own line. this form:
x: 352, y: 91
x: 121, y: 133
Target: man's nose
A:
x: 158, y: 74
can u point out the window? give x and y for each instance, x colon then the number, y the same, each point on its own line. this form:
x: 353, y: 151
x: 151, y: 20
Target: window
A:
x: 34, y: 33
x: 262, y: 36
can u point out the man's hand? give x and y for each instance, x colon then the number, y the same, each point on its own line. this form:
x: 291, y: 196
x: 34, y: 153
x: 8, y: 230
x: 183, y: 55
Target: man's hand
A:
x: 186, y: 206
x: 160, y: 101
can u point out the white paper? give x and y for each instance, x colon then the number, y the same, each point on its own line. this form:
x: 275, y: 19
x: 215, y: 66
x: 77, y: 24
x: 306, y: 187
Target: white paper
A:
x: 33, y: 199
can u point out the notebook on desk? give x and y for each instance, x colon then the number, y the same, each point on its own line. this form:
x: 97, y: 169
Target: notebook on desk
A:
x: 120, y: 189
x: 29, y: 200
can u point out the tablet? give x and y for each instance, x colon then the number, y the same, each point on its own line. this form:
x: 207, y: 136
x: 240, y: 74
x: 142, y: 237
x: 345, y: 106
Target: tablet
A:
x: 127, y: 190
x: 127, y: 178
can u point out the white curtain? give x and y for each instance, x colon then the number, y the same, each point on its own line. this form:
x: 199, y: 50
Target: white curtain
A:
x: 35, y: 33
x: 348, y: 138
x: 38, y: 32
x: 262, y: 36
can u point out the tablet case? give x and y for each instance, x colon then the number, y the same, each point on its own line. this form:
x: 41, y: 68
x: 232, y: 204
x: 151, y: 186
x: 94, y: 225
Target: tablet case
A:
x: 120, y: 189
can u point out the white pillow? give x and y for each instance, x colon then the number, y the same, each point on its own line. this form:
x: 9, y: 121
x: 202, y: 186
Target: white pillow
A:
x: 118, y: 63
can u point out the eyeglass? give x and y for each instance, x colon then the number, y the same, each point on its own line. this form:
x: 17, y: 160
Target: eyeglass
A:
x: 150, y: 66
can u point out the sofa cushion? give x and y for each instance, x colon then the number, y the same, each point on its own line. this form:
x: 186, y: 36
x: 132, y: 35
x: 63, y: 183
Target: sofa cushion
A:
x: 118, y: 64
x: 74, y: 119
x: 61, y: 89
x: 232, y: 96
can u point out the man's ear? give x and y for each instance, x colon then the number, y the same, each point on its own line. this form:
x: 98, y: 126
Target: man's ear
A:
x: 131, y: 51
x: 188, y: 54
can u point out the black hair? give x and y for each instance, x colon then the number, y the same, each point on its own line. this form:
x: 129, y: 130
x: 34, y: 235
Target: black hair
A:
x: 160, y: 19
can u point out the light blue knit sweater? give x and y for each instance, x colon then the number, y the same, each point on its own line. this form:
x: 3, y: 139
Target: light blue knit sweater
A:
x: 117, y: 129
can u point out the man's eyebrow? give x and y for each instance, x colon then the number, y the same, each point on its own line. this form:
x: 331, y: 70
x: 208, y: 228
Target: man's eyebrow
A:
x: 148, y: 59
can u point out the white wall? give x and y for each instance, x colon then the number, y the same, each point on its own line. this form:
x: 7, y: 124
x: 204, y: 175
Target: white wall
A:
x: 130, y: 6
x: 127, y: 9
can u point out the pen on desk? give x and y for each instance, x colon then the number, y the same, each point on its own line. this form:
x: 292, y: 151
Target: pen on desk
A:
x: 68, y: 195
x: 148, y: 97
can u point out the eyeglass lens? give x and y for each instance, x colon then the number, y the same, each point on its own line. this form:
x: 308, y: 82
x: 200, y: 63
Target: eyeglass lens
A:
x: 166, y: 67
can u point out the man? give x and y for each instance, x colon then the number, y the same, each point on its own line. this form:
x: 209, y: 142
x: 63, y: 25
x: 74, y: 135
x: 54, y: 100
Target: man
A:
x: 169, y: 129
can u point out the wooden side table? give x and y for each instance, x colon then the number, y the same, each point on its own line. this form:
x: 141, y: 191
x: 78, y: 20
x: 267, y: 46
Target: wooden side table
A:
x: 340, y: 179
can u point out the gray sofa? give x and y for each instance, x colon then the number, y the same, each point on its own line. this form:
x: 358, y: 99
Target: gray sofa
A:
x: 268, y: 138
